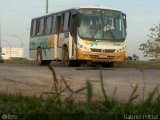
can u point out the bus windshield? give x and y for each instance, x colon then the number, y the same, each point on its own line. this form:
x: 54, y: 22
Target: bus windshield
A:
x: 101, y: 24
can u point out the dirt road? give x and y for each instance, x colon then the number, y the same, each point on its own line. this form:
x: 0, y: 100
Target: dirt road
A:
x: 34, y: 80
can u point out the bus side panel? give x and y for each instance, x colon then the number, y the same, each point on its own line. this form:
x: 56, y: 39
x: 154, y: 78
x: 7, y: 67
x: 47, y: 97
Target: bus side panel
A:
x: 34, y: 44
x: 51, y: 41
x: 33, y: 54
x: 63, y: 40
x: 55, y: 39
x: 47, y: 54
x: 66, y: 38
x: 45, y: 43
x: 70, y: 47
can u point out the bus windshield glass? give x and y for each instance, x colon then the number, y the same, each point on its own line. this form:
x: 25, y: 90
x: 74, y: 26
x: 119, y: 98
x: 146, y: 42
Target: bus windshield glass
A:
x: 101, y: 24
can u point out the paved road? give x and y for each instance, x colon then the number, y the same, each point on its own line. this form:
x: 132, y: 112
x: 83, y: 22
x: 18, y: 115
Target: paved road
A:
x: 34, y: 80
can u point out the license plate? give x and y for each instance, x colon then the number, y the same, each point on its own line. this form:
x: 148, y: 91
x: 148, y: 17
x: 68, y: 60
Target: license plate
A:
x: 103, y: 56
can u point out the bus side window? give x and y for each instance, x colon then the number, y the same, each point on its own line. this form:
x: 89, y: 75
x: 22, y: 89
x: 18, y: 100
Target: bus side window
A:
x: 49, y: 24
x: 66, y: 21
x: 61, y: 27
x: 45, y: 26
x: 41, y: 26
x: 54, y: 24
x: 73, y: 25
x: 37, y: 27
x: 33, y: 28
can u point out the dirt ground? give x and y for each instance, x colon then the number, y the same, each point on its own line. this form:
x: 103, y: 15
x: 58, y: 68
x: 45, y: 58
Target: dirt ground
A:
x: 119, y: 83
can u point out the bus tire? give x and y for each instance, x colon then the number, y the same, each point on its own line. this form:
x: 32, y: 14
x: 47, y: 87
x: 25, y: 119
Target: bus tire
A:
x: 39, y: 60
x: 77, y: 63
x: 65, y: 56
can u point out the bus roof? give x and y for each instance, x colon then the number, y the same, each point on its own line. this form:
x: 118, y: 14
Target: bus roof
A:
x: 98, y: 7
x: 81, y: 7
x: 93, y: 7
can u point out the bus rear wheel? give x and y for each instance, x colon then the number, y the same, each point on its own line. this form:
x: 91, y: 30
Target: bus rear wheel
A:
x: 39, y: 60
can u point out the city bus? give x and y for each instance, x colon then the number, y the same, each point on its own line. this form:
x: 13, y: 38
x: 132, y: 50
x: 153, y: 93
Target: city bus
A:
x: 88, y: 34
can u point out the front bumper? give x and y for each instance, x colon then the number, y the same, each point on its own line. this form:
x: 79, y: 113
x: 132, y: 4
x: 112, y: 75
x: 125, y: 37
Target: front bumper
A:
x: 100, y: 57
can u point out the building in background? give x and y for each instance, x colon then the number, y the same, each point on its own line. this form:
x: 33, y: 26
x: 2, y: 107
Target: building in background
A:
x: 9, y: 53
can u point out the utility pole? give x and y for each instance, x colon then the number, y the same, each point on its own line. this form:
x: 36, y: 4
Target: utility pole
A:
x: 0, y: 39
x: 159, y: 30
x: 1, y: 60
x: 46, y: 6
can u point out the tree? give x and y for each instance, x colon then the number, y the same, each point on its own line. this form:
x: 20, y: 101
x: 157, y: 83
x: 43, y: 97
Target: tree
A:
x: 129, y: 58
x: 133, y: 57
x: 152, y: 47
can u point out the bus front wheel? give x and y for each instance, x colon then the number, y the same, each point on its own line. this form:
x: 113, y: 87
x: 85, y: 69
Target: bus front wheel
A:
x: 65, y: 56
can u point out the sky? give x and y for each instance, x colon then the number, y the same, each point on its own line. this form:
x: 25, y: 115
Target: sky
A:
x: 16, y: 15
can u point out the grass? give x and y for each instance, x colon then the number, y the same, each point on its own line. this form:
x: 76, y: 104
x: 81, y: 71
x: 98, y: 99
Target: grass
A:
x: 126, y: 64
x: 19, y: 61
x: 139, y: 64
x: 39, y: 108
x: 53, y: 106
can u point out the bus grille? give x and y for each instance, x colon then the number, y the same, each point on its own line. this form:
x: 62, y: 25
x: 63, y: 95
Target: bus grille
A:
x: 103, y: 50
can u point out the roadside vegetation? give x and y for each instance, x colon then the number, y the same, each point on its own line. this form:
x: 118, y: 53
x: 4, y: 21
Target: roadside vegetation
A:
x: 60, y: 104
x: 151, y: 48
x: 129, y: 63
x: 19, y: 61
x: 138, y: 64
x: 38, y: 108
